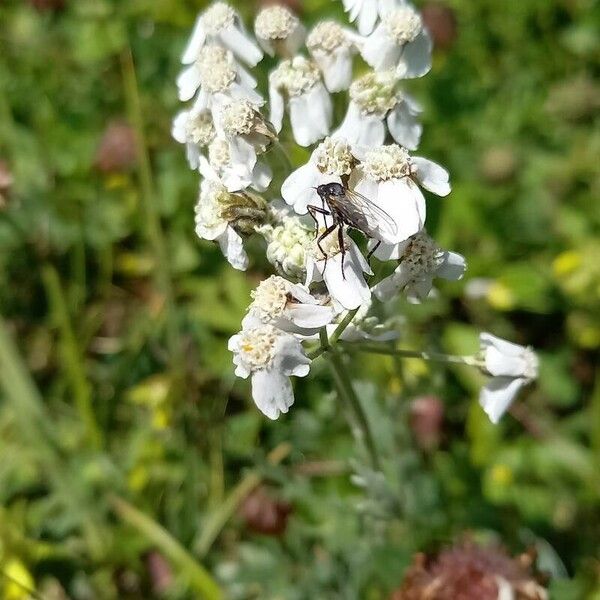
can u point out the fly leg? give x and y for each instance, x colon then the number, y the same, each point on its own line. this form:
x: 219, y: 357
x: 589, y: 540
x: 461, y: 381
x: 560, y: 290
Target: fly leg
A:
x: 327, y: 232
x: 371, y: 252
x: 314, y: 210
x: 342, y: 249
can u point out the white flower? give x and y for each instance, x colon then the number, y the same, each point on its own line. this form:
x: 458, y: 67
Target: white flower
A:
x: 330, y: 46
x: 235, y: 166
x: 196, y: 130
x: 221, y: 25
x: 310, y: 106
x: 388, y: 176
x: 331, y: 160
x: 270, y: 356
x: 279, y: 31
x: 375, y: 98
x: 210, y: 225
x: 342, y: 272
x: 241, y: 121
x: 365, y: 12
x: 287, y: 306
x: 399, y: 42
x: 511, y: 366
x: 219, y: 79
x: 221, y: 216
x: 287, y: 242
x: 420, y: 261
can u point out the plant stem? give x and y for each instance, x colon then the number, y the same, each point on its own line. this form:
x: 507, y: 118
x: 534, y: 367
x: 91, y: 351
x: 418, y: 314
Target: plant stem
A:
x: 152, y: 223
x: 72, y: 357
x: 422, y: 354
x: 218, y: 519
x: 356, y: 415
x: 200, y: 579
x: 335, y: 336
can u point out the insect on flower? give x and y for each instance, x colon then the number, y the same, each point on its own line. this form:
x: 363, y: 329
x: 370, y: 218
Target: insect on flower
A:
x: 346, y: 207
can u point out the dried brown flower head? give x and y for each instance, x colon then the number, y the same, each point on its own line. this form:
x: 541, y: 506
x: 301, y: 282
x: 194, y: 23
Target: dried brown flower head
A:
x: 468, y: 571
x: 116, y: 151
x: 265, y: 514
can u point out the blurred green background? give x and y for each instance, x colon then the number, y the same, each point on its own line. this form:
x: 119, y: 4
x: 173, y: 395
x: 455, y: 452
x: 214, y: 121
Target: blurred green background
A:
x: 127, y: 450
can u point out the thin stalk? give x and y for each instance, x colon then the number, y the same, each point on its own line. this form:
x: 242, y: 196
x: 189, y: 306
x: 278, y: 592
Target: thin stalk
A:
x: 358, y: 419
x: 153, y: 228
x: 72, y: 357
x: 423, y: 355
x: 200, y: 579
x: 215, y: 522
x: 335, y: 336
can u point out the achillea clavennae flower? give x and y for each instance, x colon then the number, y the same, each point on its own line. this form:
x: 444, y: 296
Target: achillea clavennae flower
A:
x: 351, y: 181
x: 331, y: 162
x: 399, y: 42
x: 288, y: 306
x: 269, y: 356
x: 511, y: 367
x: 217, y: 78
x: 388, y: 175
x: 331, y: 47
x: 222, y: 216
x: 420, y: 261
x: 298, y: 81
x: 279, y: 31
x: 374, y: 101
x: 196, y: 130
x: 220, y: 25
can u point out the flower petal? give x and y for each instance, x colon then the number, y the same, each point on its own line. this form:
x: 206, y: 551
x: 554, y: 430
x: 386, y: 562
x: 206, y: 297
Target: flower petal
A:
x: 453, y: 267
x: 290, y: 358
x: 272, y: 392
x: 432, y: 176
x: 415, y: 60
x: 277, y: 107
x: 188, y: 82
x: 498, y: 394
x: 367, y: 17
x: 195, y: 44
x: 361, y: 131
x: 241, y: 45
x: 310, y: 316
x: 233, y: 249
x: 380, y: 51
x: 404, y: 126
x: 404, y: 202
x: 297, y: 190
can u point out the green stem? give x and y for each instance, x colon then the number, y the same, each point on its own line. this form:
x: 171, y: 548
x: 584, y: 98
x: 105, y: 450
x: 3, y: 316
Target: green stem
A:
x: 356, y: 415
x: 335, y: 336
x: 72, y: 357
x: 217, y: 520
x: 200, y: 579
x: 153, y: 227
x: 423, y: 355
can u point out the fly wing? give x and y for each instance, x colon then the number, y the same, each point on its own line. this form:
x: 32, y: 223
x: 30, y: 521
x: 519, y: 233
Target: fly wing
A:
x: 363, y: 214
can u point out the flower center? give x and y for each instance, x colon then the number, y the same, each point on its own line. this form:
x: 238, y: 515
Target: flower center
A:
x: 218, y: 153
x: 200, y: 129
x: 257, y: 346
x: 287, y: 244
x: 403, y: 24
x: 327, y: 36
x: 375, y: 93
x: 216, y: 70
x: 218, y: 17
x: 329, y: 246
x: 296, y: 76
x: 333, y: 157
x: 422, y: 256
x: 239, y: 117
x: 387, y: 162
x: 275, y: 23
x: 270, y: 298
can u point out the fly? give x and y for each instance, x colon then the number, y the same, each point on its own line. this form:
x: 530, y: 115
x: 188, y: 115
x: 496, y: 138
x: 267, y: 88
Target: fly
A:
x: 346, y: 207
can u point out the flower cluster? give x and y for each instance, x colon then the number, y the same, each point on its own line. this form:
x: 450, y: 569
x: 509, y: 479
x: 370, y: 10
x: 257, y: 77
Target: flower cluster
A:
x: 362, y: 176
